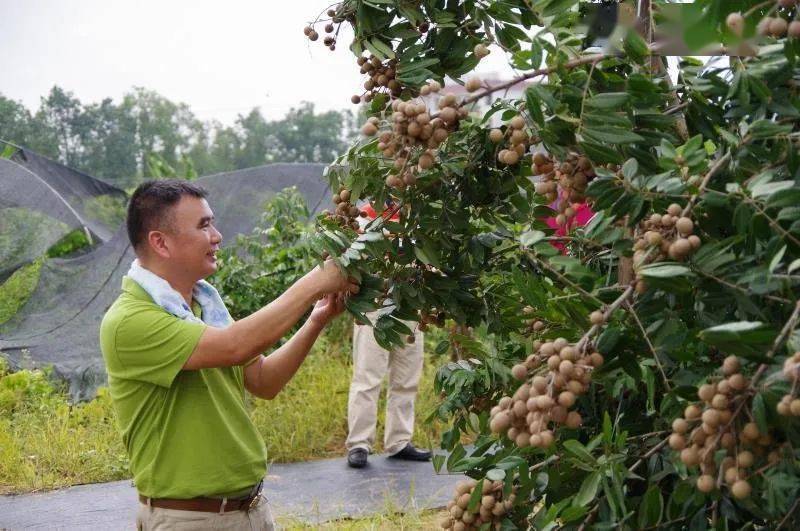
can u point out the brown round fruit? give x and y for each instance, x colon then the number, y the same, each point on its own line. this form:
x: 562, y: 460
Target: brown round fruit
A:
x: 735, y: 22
x: 473, y: 84
x: 705, y: 483
x: 741, y: 489
x: 519, y: 371
x: 677, y: 441
x: 730, y: 365
x: 778, y: 27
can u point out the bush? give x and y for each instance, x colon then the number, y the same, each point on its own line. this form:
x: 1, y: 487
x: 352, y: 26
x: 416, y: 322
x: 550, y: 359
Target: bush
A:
x: 257, y: 268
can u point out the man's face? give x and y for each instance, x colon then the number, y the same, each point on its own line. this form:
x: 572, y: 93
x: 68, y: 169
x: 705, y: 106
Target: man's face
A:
x: 191, y: 238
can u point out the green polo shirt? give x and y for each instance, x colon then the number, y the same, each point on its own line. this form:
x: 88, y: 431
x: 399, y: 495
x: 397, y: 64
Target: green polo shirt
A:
x: 187, y: 433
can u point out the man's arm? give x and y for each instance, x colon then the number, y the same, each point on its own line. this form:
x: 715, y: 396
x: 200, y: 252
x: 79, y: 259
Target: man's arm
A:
x: 267, y: 376
x: 248, y: 337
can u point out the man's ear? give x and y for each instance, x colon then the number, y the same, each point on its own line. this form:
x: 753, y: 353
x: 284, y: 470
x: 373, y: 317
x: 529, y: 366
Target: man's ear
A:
x: 157, y: 241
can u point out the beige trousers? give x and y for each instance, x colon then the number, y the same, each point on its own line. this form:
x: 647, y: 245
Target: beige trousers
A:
x: 371, y: 363
x: 259, y: 518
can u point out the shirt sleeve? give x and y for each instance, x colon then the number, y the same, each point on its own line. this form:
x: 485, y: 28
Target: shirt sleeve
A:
x: 152, y: 346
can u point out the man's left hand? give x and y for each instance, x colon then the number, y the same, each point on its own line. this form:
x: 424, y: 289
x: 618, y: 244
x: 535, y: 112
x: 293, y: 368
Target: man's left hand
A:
x: 327, y: 308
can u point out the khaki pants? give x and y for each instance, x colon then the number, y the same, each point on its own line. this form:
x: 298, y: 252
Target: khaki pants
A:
x: 259, y: 518
x: 370, y: 365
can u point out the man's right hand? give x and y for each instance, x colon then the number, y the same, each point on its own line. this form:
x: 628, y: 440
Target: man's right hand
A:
x: 329, y: 278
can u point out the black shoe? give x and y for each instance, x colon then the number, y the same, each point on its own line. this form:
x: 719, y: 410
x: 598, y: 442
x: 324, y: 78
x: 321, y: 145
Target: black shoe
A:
x: 409, y: 453
x: 357, y: 457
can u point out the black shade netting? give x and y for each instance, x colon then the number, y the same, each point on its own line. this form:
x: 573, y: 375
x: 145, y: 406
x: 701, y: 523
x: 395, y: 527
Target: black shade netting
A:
x: 41, y: 201
x: 59, y: 324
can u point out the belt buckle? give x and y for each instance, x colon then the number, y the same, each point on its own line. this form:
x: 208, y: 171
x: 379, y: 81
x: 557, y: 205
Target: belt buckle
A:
x: 254, y: 501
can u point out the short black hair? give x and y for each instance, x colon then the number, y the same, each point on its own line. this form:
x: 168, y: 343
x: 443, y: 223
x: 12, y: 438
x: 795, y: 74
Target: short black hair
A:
x: 150, y: 203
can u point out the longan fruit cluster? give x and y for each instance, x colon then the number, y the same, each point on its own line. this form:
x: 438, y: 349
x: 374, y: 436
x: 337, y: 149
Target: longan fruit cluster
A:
x: 532, y: 325
x: 517, y: 140
x: 543, y: 402
x: 346, y: 212
x: 381, y: 78
x: 567, y: 179
x: 769, y: 26
x: 332, y: 25
x: 707, y: 428
x: 667, y: 235
x: 415, y: 136
x: 490, y: 510
x: 790, y: 403
x: 432, y: 317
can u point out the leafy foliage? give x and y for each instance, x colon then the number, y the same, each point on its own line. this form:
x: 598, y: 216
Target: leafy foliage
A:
x: 257, y: 268
x: 472, y: 246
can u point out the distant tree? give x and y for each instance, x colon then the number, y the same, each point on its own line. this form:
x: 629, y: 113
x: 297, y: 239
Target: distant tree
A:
x: 60, y: 113
x: 303, y: 136
x: 109, y: 143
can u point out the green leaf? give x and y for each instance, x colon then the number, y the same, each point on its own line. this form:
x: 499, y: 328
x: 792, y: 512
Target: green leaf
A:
x: 588, y: 491
x: 383, y: 50
x: 442, y: 347
x: 635, y: 46
x: 496, y: 474
x: 475, y: 497
x: 760, y: 413
x: 599, y: 153
x: 630, y: 168
x: 612, y: 135
x: 665, y: 270
x: 767, y: 128
x: 608, y: 100
x: 776, y: 260
x: 744, y: 337
x: 533, y: 105
x: 578, y: 450
x: 530, y: 237
x: 652, y: 508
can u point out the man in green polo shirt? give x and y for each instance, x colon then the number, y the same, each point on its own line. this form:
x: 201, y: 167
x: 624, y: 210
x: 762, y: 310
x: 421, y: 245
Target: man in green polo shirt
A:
x: 177, y: 382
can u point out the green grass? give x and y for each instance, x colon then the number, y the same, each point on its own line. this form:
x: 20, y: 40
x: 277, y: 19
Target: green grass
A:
x: 14, y: 292
x: 390, y: 520
x: 47, y: 443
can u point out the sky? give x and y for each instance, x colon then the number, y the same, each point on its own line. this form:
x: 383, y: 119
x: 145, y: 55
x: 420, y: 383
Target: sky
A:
x: 221, y: 58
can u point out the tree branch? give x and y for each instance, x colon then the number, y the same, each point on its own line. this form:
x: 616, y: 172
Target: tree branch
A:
x: 649, y: 344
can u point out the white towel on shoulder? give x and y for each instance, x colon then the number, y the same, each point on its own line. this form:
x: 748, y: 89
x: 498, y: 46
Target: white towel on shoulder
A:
x: 214, y: 311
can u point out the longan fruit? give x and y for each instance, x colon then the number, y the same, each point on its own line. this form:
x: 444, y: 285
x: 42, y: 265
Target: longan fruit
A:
x: 566, y: 399
x: 730, y: 365
x: 684, y: 225
x: 706, y: 392
x: 472, y: 84
x: 745, y: 459
x: 574, y: 420
x: 680, y: 426
x: 677, y: 441
x: 690, y: 457
x: 735, y: 22
x: 705, y: 483
x: 741, y: 489
x: 568, y: 353
x: 711, y: 417
x: 692, y: 412
x: 519, y: 371
x: 496, y: 136
x: 597, y: 317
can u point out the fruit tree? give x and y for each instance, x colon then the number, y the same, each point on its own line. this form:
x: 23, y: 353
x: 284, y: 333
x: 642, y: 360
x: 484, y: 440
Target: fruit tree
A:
x: 638, y: 370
